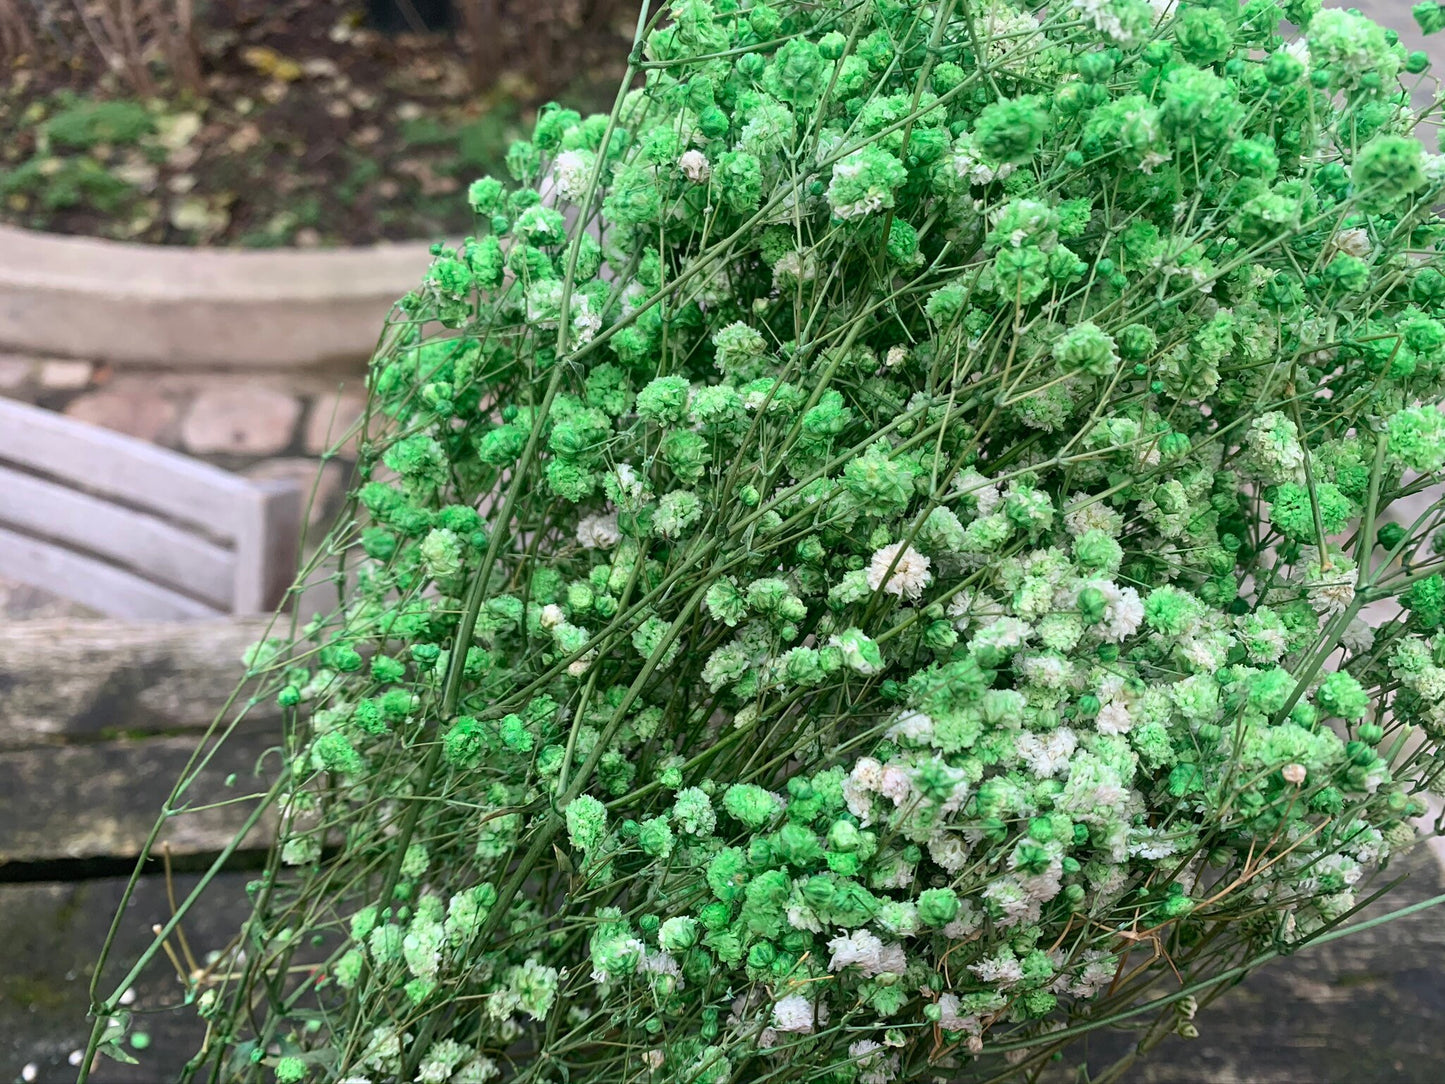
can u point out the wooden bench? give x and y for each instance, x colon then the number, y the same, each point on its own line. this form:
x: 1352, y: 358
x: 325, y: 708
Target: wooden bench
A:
x: 131, y: 530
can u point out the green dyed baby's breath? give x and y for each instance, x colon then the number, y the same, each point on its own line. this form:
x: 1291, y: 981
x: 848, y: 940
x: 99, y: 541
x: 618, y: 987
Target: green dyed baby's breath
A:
x: 869, y: 534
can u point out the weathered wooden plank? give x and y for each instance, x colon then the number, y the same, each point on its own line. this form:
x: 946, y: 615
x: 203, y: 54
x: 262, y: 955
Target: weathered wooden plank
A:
x: 118, y: 466
x: 101, y: 800
x: 160, y: 551
x: 62, y: 680
x: 91, y: 582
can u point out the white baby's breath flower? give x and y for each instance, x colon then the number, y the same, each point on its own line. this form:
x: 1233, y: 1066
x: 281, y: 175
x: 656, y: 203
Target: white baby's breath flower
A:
x: 867, y: 773
x: 1123, y: 611
x: 795, y: 1013
x: 1045, y: 669
x: 971, y: 166
x: 1002, y: 969
x: 962, y: 926
x: 695, y: 166
x: 1330, y: 591
x: 598, y: 532
x: 859, y: 949
x: 585, y: 322
x: 900, y: 570
x: 1087, y: 514
x: 950, y: 1019
x: 1098, y: 971
x: 629, y: 484
x: 1113, y: 718
x: 571, y: 173
x: 948, y: 851
x: 1047, y: 754
x: 896, y: 784
x: 1353, y: 242
x: 981, y: 490
x: 1358, y: 636
x: 912, y: 726
x: 793, y: 268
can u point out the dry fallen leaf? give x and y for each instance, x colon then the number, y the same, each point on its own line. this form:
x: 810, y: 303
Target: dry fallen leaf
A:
x: 320, y: 67
x: 244, y: 138
x: 177, y: 129
x: 271, y: 63
x: 195, y: 215
x: 135, y: 170
x: 365, y: 137
x: 184, y: 158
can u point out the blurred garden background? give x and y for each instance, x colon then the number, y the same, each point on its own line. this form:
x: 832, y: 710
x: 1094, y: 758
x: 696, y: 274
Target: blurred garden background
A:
x: 259, y: 123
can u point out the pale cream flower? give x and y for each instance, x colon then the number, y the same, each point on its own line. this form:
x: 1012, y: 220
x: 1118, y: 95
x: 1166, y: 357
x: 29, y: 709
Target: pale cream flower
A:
x: 695, y: 166
x: 793, y: 1013
x: 909, y: 573
x: 599, y: 532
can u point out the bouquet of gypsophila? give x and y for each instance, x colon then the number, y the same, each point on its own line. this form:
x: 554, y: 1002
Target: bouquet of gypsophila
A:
x: 859, y: 568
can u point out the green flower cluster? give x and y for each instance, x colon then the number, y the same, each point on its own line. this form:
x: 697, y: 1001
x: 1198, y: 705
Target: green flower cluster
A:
x: 883, y: 527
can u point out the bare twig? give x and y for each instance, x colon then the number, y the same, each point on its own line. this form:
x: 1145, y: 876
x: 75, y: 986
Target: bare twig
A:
x: 16, y: 37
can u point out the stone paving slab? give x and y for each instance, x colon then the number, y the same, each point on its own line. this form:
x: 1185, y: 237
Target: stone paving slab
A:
x: 54, y: 935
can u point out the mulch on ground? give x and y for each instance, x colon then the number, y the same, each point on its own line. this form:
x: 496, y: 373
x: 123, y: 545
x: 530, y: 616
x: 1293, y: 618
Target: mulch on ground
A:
x: 312, y: 129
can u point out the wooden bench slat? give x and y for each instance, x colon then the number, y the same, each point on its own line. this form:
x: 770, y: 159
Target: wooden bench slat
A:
x: 158, y: 550
x: 68, y: 678
x: 91, y: 582
x: 267, y: 546
x: 115, y: 465
x: 100, y: 800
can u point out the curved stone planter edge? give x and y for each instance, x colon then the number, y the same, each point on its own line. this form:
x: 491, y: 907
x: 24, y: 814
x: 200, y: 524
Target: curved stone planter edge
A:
x: 188, y: 308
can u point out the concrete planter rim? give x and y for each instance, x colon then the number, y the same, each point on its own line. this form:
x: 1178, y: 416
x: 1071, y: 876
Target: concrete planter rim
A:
x: 195, y: 308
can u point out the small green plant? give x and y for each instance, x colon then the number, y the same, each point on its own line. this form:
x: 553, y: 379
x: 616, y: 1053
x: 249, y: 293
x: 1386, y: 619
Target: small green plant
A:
x: 84, y: 124
x: 862, y: 569
x: 63, y: 183
x: 479, y: 145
